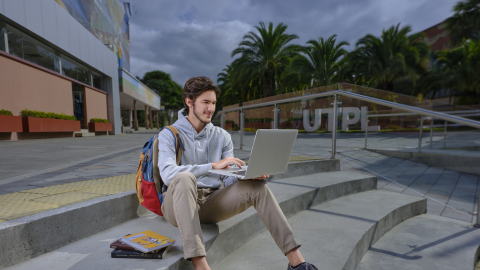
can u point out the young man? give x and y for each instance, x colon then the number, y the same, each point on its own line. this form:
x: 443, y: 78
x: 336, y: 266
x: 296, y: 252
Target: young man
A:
x: 193, y: 196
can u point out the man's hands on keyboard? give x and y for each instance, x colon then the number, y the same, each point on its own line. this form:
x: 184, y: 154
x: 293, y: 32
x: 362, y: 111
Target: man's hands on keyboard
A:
x: 222, y: 164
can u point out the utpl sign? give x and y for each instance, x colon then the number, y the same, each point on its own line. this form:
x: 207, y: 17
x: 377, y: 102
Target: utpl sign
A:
x: 351, y: 115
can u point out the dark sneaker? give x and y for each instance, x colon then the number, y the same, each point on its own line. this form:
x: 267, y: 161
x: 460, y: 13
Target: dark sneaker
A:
x: 303, y: 266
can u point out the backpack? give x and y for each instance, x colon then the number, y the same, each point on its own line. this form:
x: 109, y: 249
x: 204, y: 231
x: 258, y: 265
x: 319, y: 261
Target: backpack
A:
x: 148, y: 181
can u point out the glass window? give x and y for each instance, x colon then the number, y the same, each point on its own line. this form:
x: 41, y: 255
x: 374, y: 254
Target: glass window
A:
x: 74, y: 70
x: 84, y: 75
x: 3, y: 31
x: 38, y: 53
x: 32, y: 50
x: 97, y: 80
x: 15, y: 41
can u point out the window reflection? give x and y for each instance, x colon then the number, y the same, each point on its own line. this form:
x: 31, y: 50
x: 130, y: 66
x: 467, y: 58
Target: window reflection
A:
x: 3, y: 32
x: 15, y: 41
x: 38, y: 53
x: 34, y: 51
x: 97, y: 80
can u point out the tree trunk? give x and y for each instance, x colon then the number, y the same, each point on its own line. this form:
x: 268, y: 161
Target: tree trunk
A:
x: 269, y: 84
x: 169, y: 118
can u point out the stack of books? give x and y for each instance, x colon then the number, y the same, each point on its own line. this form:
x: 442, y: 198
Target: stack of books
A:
x: 143, y: 245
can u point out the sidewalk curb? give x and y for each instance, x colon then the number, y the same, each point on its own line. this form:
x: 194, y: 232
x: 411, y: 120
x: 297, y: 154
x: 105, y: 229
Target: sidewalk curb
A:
x: 33, y: 235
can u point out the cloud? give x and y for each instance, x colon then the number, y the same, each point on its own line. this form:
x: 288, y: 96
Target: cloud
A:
x: 186, y: 49
x: 191, y: 38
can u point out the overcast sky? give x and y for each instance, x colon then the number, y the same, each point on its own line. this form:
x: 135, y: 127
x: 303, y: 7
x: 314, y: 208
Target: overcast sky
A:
x: 192, y: 38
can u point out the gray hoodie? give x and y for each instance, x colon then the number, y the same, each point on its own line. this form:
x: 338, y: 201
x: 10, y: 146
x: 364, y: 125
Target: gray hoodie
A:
x: 201, y: 150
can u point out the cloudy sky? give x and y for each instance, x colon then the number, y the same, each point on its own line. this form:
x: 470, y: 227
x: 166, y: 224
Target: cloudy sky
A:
x: 192, y: 38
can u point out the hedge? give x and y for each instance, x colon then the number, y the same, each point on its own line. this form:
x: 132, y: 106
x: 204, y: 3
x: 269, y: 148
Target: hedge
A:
x: 99, y: 120
x: 51, y: 115
x: 5, y: 112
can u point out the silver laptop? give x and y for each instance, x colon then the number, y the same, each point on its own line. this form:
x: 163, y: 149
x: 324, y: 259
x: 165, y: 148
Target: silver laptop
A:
x: 271, y: 151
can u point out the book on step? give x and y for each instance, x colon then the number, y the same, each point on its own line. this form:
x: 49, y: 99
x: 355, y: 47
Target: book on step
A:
x: 132, y: 254
x: 147, y: 241
x: 119, y: 245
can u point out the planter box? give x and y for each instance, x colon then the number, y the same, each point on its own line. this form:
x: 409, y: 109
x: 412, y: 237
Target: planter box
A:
x: 35, y: 124
x: 9, y: 123
x: 97, y: 127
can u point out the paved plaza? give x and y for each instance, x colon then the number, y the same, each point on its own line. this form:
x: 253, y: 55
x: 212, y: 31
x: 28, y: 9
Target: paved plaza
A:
x: 449, y: 193
x: 43, y: 163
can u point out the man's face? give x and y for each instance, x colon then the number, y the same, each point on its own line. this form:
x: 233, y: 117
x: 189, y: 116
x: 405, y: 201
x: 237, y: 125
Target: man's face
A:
x: 204, y: 107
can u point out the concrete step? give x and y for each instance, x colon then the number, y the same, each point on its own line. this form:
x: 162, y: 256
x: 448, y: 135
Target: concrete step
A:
x: 84, y: 133
x: 293, y: 194
x: 334, y: 235
x: 425, y: 242
x: 456, y: 160
x: 77, y: 221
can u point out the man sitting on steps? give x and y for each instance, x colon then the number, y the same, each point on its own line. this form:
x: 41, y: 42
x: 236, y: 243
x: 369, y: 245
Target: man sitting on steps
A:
x: 193, y: 196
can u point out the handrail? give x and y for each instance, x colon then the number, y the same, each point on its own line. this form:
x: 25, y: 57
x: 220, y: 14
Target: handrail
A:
x: 436, y: 115
x: 407, y: 114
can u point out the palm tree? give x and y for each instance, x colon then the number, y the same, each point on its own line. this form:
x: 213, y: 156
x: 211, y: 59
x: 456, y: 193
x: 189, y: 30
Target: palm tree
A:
x: 319, y: 65
x: 465, y: 23
x: 228, y: 96
x: 457, y: 69
x: 395, y: 55
x: 263, y: 57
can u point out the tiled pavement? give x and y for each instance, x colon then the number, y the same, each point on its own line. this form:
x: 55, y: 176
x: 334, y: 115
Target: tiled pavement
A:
x: 449, y: 193
x: 118, y: 155
x: 57, y: 193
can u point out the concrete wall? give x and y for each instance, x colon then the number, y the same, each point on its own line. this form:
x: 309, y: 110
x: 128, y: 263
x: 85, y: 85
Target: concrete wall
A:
x: 96, y: 104
x: 25, y: 87
x: 49, y: 22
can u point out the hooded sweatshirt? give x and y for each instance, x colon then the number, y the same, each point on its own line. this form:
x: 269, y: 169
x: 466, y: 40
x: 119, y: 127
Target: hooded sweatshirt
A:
x: 200, y: 151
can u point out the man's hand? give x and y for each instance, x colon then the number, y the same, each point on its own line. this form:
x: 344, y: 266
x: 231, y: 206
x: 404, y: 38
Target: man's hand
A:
x: 261, y: 178
x: 223, y: 164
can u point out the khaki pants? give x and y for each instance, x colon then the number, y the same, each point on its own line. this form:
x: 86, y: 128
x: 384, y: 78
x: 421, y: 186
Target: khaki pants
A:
x: 185, y: 206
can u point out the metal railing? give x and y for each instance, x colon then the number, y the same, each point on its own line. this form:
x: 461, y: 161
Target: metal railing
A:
x: 431, y: 126
x: 447, y: 116
x: 412, y: 111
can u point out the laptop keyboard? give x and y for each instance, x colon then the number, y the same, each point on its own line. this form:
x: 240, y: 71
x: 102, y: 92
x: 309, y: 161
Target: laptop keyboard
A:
x: 239, y: 173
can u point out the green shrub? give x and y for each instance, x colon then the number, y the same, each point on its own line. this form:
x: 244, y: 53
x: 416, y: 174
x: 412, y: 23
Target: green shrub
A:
x: 229, y: 122
x: 99, y: 120
x: 5, y: 112
x: 394, y: 127
x: 50, y: 115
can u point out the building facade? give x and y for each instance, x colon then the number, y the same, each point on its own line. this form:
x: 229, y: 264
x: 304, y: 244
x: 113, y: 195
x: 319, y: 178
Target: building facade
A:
x: 68, y: 56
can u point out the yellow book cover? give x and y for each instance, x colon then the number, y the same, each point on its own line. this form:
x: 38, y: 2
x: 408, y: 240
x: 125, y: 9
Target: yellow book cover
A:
x: 147, y: 241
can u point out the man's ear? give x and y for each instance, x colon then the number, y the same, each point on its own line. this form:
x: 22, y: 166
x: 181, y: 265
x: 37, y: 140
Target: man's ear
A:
x: 188, y: 102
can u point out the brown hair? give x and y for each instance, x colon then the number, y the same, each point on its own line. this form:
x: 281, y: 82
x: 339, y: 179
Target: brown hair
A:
x: 195, y: 86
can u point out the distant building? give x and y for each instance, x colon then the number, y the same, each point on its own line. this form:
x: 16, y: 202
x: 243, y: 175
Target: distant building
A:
x: 437, y: 37
x: 71, y: 57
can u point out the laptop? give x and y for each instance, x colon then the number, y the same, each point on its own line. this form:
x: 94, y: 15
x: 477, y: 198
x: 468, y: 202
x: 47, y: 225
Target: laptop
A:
x: 270, y: 154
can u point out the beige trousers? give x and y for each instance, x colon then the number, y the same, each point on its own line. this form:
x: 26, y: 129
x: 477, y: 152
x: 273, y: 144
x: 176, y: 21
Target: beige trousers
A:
x: 185, y: 207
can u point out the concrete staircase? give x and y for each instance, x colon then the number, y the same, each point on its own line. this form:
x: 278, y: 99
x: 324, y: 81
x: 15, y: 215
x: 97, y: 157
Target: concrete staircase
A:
x: 425, y: 242
x: 338, y: 217
x: 335, y: 234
